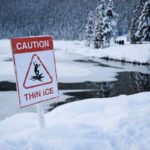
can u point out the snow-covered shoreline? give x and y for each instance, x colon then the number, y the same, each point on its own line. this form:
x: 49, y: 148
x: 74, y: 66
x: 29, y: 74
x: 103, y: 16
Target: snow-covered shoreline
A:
x: 108, y: 123
x: 130, y: 53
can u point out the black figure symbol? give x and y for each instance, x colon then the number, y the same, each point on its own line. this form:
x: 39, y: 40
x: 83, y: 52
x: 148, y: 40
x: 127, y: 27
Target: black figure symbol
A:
x: 37, y: 76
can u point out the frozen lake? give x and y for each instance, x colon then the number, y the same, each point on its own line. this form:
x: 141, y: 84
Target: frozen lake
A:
x: 79, y: 78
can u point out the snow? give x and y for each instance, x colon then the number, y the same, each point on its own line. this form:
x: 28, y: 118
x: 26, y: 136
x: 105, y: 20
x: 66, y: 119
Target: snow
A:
x: 70, y: 71
x: 8, y: 71
x: 128, y: 52
x: 67, y: 69
x: 121, y: 123
x: 8, y: 68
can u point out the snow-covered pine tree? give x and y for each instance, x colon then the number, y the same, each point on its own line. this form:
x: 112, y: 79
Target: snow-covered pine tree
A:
x: 135, y: 22
x: 98, y: 37
x: 110, y: 22
x: 143, y: 32
x: 106, y: 32
x: 99, y: 12
x: 89, y: 29
x: 133, y: 29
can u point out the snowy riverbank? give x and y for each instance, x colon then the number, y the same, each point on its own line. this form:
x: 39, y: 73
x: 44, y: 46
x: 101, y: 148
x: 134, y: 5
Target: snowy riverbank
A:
x: 134, y: 53
x: 70, y: 70
x: 121, y: 122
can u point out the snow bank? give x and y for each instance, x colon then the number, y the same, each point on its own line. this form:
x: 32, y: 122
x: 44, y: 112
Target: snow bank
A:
x: 7, y: 68
x: 128, y: 52
x: 132, y: 53
x: 121, y: 123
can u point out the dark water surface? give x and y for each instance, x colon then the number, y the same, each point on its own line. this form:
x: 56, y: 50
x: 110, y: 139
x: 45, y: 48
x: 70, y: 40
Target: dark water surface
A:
x: 127, y: 83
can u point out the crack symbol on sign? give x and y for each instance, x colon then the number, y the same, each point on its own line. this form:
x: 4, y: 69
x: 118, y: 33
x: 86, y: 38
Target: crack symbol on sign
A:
x: 38, y: 76
x: 37, y: 73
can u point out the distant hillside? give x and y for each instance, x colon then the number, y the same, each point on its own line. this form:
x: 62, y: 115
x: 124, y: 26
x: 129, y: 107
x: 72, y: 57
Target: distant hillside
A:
x: 64, y: 19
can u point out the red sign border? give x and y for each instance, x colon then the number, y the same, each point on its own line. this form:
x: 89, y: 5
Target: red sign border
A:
x: 15, y: 69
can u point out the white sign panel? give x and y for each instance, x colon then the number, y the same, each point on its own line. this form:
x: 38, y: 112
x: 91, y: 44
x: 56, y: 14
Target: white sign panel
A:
x: 35, y: 69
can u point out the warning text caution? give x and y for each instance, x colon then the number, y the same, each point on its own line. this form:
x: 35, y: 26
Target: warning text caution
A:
x: 25, y: 45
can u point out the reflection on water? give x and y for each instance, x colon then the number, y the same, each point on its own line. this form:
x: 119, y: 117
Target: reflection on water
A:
x: 93, y: 89
x: 127, y: 83
x: 132, y: 82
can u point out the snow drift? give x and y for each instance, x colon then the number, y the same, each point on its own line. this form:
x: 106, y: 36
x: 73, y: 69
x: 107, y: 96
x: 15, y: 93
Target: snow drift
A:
x: 121, y: 123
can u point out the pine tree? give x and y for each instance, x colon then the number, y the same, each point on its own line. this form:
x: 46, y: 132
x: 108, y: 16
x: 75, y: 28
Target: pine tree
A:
x: 133, y: 29
x: 135, y: 22
x: 106, y: 32
x: 100, y: 13
x: 99, y: 36
x: 89, y: 29
x: 105, y: 24
x: 144, y: 23
x: 110, y: 22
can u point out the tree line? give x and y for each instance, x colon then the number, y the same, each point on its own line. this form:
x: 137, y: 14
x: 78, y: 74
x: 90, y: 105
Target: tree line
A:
x: 64, y: 19
x: 102, y: 24
x: 140, y: 25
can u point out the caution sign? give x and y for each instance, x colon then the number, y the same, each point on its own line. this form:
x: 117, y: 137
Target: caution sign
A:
x: 35, y: 69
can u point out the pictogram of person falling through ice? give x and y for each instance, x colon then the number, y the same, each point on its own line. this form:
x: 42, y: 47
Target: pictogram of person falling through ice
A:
x: 37, y: 76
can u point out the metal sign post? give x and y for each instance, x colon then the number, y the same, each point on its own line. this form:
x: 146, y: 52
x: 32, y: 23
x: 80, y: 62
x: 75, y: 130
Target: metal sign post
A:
x: 42, y: 122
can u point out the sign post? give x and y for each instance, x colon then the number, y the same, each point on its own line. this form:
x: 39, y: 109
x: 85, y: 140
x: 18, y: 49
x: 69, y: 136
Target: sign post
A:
x: 35, y: 71
x: 41, y: 116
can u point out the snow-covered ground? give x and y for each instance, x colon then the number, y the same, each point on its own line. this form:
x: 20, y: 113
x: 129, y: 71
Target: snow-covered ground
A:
x: 70, y: 71
x: 119, y: 123
x: 128, y: 52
